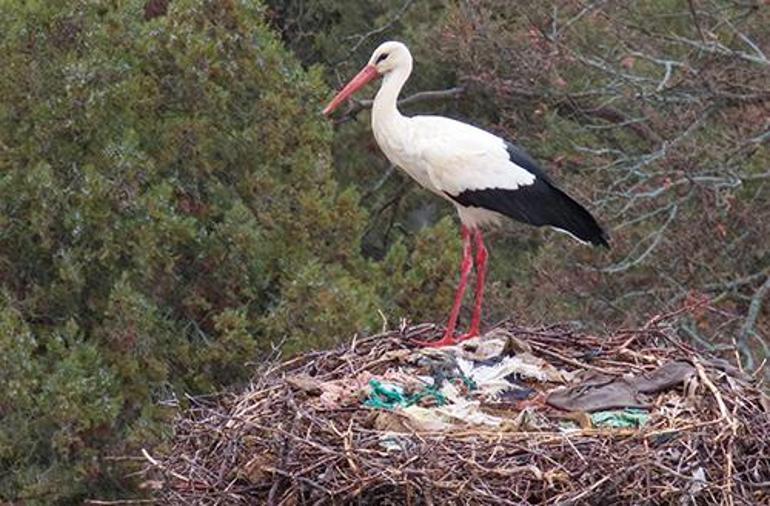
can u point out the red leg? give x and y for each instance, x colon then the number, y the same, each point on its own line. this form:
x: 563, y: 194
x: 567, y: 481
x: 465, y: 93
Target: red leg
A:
x: 465, y: 269
x: 481, y: 276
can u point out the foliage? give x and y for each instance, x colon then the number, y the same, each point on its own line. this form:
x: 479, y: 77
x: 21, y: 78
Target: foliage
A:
x: 168, y: 211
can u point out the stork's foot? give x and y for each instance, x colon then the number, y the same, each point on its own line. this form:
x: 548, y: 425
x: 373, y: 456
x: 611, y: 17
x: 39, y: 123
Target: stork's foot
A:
x: 468, y: 335
x: 447, y: 340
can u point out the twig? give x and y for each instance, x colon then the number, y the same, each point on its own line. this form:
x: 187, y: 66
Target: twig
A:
x: 718, y: 396
x: 363, y: 38
x: 119, y: 502
x: 751, y: 319
x: 360, y: 105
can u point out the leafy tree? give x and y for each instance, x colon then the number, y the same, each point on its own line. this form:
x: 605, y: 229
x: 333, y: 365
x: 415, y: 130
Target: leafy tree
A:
x: 168, y: 210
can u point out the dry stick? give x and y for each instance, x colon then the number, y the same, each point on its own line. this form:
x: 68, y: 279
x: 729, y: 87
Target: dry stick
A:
x: 348, y: 445
x: 285, y: 448
x: 574, y: 362
x: 584, y: 492
x: 119, y: 502
x: 715, y: 392
x: 729, y: 471
x: 751, y: 320
x: 359, y: 105
x: 302, y: 479
x: 376, y: 31
x: 157, y: 464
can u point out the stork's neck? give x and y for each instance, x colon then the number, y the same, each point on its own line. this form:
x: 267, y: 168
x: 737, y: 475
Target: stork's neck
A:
x: 385, y: 114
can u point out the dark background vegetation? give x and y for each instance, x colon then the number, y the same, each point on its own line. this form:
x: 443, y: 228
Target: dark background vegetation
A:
x: 173, y: 207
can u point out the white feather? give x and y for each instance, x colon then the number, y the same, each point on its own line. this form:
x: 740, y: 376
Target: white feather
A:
x: 460, y: 157
x: 581, y: 241
x: 447, y: 156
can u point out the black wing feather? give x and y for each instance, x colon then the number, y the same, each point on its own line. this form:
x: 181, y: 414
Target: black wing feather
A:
x: 539, y: 204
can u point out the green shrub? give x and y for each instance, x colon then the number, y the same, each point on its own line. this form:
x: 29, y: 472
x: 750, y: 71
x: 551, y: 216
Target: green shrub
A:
x: 168, y: 210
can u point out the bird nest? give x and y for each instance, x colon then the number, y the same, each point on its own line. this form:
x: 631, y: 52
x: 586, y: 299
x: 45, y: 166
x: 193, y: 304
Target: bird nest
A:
x: 637, y: 417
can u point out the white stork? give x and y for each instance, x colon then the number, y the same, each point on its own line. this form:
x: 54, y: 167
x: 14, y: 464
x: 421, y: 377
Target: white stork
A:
x: 483, y: 175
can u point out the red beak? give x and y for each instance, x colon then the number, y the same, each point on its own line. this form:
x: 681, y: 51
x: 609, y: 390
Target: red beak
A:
x: 362, y: 78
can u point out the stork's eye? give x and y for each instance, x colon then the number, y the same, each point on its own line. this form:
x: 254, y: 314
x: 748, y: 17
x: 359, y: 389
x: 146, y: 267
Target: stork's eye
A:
x: 381, y: 57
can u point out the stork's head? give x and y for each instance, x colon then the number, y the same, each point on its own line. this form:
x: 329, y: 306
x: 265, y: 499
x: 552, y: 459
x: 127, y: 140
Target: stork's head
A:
x: 388, y: 57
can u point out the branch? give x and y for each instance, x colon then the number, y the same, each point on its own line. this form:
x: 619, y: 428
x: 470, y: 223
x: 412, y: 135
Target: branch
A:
x: 695, y: 19
x: 359, y: 105
x: 720, y: 49
x: 656, y: 237
x: 377, y: 185
x: 751, y: 320
x: 736, y: 283
x: 761, y: 138
x: 556, y: 31
x: 376, y: 31
x: 119, y: 502
x: 612, y: 115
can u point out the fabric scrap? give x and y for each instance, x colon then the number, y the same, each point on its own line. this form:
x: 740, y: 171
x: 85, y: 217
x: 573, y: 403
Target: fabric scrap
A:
x: 514, y: 395
x: 625, y: 419
x: 599, y: 392
x: 664, y: 377
x: 461, y: 409
x: 457, y: 411
x: 425, y: 419
x: 491, y: 379
x: 391, y: 443
x: 551, y: 373
x: 338, y: 393
x: 494, y: 344
x: 597, y: 395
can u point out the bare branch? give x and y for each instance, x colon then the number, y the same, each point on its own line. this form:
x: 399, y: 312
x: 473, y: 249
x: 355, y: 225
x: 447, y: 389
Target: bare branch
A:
x: 557, y: 31
x: 380, y: 182
x: 695, y: 21
x: 751, y: 320
x: 359, y: 105
x: 617, y: 117
x: 736, y: 283
x: 376, y: 31
x: 718, y: 48
x: 656, y: 237
x: 754, y: 47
